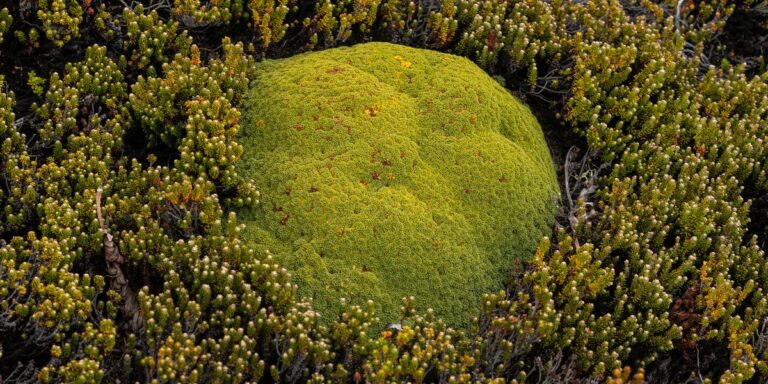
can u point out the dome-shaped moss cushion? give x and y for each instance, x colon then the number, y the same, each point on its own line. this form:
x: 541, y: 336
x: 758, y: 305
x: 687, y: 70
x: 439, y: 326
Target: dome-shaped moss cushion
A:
x: 388, y: 171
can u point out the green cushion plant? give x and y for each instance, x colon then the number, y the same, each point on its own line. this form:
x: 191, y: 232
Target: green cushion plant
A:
x: 388, y: 171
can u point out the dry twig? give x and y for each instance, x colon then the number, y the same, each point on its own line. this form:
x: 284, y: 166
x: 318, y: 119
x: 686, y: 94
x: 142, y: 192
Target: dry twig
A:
x: 119, y: 282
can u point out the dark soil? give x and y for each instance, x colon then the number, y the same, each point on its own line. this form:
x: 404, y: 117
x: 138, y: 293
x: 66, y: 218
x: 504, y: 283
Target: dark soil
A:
x: 744, y: 40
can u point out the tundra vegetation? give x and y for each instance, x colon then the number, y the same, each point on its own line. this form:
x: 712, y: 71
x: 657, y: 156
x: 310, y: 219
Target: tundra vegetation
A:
x: 387, y: 171
x: 121, y: 257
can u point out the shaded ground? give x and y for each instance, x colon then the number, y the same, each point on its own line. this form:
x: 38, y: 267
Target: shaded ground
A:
x: 744, y: 39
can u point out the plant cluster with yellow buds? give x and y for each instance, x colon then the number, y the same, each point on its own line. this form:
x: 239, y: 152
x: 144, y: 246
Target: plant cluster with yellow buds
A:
x: 658, y: 263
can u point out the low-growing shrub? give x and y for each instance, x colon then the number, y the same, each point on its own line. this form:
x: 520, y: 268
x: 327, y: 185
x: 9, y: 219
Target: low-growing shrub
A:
x: 387, y: 171
x: 655, y: 266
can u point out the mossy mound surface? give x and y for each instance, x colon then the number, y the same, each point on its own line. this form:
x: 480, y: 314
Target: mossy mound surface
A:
x: 388, y: 171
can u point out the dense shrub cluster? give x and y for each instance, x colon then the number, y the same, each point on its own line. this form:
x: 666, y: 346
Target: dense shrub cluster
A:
x: 655, y: 258
x: 410, y: 173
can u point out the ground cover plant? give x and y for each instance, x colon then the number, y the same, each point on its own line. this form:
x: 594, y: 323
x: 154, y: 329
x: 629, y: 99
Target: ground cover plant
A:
x: 120, y: 259
x: 410, y: 173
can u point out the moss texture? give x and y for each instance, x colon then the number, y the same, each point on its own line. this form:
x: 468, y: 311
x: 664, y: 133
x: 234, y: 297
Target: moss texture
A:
x: 388, y: 171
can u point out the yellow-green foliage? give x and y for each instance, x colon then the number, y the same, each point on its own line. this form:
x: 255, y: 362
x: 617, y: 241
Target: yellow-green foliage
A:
x: 61, y: 19
x: 5, y: 22
x: 389, y: 171
x: 265, y: 17
x: 656, y: 261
